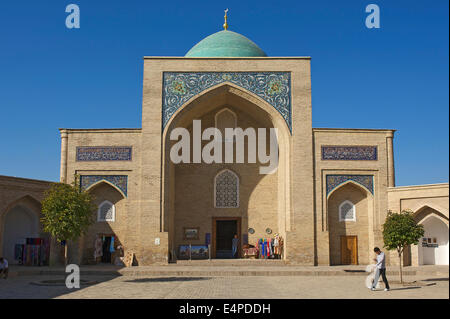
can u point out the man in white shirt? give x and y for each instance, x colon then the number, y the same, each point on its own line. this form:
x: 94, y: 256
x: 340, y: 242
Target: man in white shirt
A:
x: 381, y: 269
x: 4, y: 267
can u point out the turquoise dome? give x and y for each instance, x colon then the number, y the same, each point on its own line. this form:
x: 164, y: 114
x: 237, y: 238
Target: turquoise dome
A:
x: 226, y: 44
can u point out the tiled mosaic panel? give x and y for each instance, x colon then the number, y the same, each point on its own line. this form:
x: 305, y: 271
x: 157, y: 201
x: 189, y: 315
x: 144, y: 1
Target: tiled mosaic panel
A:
x: 273, y: 87
x: 120, y: 181
x: 103, y: 153
x: 350, y: 153
x: 227, y: 190
x: 334, y: 181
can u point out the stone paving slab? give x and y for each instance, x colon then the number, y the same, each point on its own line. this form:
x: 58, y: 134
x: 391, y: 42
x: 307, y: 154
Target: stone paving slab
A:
x: 274, y: 287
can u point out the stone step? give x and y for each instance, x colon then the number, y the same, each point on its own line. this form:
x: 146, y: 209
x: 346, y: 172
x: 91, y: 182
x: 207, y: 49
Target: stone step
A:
x: 217, y: 269
x: 248, y: 272
x: 208, y: 272
x: 232, y: 262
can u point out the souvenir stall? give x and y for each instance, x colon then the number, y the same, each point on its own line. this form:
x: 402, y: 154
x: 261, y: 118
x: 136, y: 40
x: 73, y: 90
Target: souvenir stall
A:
x: 265, y: 248
x: 33, y: 252
x: 107, y: 249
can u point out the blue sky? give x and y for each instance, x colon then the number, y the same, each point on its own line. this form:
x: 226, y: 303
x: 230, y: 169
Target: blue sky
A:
x: 392, y: 77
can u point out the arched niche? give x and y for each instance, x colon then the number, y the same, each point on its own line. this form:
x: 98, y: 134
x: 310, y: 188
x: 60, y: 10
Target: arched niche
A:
x: 104, y: 192
x: 435, y: 252
x: 350, y: 240
x: 20, y: 220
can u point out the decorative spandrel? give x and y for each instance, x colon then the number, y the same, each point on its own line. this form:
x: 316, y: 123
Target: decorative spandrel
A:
x: 120, y: 181
x: 334, y: 181
x: 272, y: 87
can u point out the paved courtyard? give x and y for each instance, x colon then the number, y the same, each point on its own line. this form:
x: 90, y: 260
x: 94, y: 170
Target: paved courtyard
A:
x: 173, y: 287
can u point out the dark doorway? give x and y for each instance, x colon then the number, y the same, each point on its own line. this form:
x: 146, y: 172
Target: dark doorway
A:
x: 106, y: 258
x: 225, y: 231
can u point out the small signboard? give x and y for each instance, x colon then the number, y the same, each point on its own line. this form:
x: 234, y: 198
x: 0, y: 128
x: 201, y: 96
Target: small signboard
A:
x: 193, y: 252
x: 128, y: 259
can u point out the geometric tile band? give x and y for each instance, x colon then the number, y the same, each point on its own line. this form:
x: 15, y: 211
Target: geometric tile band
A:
x: 350, y: 153
x: 103, y: 153
x: 334, y: 181
x: 273, y: 87
x: 120, y: 181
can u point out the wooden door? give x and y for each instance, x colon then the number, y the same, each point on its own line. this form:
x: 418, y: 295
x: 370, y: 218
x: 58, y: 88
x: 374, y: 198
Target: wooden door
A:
x: 349, y: 250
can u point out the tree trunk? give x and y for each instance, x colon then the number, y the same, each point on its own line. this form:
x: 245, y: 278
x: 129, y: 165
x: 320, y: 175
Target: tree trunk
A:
x: 401, y: 274
x: 65, y: 254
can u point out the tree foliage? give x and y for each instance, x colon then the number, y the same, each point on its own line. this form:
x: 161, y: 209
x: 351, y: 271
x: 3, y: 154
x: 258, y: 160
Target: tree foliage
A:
x: 67, y: 211
x: 401, y: 230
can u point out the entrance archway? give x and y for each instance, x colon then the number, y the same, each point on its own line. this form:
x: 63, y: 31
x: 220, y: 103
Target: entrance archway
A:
x: 433, y: 249
x: 20, y: 222
x: 349, y: 210
x: 189, y: 189
x: 109, y: 220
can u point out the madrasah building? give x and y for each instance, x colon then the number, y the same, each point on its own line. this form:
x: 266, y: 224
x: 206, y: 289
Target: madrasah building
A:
x: 327, y: 199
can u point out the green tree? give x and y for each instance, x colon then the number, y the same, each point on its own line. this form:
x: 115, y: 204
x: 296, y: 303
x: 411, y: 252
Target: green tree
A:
x: 399, y: 231
x: 67, y: 212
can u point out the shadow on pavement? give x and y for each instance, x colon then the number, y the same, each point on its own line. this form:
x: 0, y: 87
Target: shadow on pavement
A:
x: 43, y: 287
x: 167, y: 279
x: 405, y: 288
x: 436, y: 279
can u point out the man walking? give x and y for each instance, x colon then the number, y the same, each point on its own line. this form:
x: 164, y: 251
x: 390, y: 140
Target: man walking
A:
x: 381, y: 269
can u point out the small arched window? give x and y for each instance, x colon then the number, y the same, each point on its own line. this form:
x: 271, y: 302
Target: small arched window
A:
x: 106, y: 212
x: 347, y: 211
x: 226, y: 190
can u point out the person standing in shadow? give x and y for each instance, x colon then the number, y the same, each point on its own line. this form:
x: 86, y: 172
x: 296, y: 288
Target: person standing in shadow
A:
x: 235, y: 246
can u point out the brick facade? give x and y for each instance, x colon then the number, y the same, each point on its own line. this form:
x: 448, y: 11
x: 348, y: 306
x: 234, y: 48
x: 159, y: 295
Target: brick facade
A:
x: 155, y: 200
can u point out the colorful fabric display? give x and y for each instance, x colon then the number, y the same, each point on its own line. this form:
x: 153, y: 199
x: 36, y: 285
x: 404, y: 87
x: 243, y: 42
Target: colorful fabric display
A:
x: 266, y: 248
x: 111, y: 246
x: 35, y: 252
x: 270, y: 247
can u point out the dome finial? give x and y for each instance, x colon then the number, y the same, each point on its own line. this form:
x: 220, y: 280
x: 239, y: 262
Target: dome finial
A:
x: 225, y: 25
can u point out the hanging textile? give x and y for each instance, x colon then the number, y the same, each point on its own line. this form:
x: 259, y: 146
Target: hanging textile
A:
x: 111, y: 246
x: 35, y: 252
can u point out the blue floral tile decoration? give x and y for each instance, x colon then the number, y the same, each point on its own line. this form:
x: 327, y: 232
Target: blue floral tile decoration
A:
x: 334, y: 181
x: 273, y: 87
x: 103, y: 153
x: 349, y: 153
x: 120, y: 181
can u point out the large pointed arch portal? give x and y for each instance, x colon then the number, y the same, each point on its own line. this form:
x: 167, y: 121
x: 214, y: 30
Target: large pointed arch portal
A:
x: 188, y: 195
